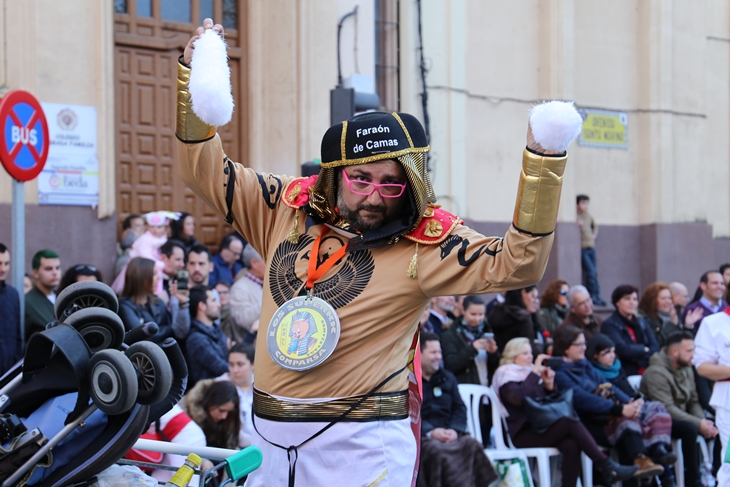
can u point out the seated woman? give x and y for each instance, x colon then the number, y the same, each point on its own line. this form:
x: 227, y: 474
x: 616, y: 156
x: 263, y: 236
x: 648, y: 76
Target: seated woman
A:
x: 139, y: 305
x: 240, y: 372
x: 657, y: 308
x: 213, y: 405
x: 470, y: 352
x: 554, y: 304
x: 78, y: 273
x: 516, y: 379
x: 611, y: 416
x: 517, y: 317
x: 471, y: 355
x: 601, y: 353
x: 635, y: 341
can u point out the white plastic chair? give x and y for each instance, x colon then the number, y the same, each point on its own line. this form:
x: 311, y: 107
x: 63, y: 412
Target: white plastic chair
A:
x: 467, y: 392
x: 495, y: 455
x: 705, y: 449
x: 472, y: 395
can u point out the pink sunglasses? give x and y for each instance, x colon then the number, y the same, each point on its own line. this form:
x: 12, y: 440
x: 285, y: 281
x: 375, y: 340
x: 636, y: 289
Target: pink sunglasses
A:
x: 366, y: 189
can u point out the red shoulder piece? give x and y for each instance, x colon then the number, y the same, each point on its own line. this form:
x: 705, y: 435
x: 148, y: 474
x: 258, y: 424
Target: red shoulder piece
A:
x: 435, y: 226
x: 296, y: 194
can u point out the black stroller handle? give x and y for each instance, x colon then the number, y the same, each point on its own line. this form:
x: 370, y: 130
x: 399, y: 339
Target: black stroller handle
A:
x: 179, y: 380
x: 142, y: 332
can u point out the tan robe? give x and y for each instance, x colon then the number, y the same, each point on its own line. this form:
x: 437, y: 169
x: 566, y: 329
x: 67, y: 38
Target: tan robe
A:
x: 379, y: 306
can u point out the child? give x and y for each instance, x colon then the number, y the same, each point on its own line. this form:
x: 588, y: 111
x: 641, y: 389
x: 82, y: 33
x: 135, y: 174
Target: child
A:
x: 148, y: 245
x: 588, y: 233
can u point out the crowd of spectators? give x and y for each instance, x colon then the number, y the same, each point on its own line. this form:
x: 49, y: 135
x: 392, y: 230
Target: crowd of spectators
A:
x: 165, y: 275
x: 649, y: 335
x: 211, y: 304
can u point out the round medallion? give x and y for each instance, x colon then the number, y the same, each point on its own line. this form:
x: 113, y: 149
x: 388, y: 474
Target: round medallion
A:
x: 303, y: 333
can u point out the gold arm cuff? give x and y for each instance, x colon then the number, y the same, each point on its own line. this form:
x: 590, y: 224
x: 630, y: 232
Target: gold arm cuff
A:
x: 189, y: 128
x: 538, y: 195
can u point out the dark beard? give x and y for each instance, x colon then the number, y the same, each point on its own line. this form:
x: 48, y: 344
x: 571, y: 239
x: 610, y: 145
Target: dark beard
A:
x: 355, y: 220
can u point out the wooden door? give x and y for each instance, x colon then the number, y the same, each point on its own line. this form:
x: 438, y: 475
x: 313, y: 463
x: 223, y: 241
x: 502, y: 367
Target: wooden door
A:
x: 149, y: 37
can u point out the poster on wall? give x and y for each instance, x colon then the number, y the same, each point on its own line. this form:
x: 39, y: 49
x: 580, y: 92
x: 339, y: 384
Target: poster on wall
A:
x: 601, y: 128
x: 71, y: 174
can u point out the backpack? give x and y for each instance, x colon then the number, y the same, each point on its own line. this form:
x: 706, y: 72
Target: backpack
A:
x: 171, y: 430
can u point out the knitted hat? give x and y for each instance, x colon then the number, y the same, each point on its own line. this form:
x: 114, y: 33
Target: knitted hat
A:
x: 597, y: 344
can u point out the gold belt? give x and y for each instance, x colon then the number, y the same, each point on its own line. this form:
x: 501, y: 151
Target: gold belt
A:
x: 385, y: 406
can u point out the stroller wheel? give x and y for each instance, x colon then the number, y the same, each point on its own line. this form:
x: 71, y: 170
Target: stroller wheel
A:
x: 85, y: 294
x: 113, y: 382
x: 154, y: 377
x: 101, y: 328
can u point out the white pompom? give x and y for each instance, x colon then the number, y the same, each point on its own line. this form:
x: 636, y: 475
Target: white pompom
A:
x: 555, y: 124
x: 210, y: 80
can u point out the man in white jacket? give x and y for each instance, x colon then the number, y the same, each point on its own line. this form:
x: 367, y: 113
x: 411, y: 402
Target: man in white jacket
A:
x: 712, y: 359
x: 246, y: 295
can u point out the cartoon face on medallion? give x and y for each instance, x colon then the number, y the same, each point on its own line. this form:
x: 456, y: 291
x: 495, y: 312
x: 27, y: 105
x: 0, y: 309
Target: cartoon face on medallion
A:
x: 301, y: 329
x: 303, y: 333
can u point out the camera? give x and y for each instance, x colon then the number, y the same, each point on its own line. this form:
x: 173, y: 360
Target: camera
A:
x: 554, y: 362
x: 182, y: 280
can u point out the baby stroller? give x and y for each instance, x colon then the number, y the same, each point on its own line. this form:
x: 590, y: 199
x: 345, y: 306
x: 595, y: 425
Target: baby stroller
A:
x: 96, y: 387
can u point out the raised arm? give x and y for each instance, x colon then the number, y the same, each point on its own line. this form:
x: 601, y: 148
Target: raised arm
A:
x: 248, y: 200
x: 468, y: 262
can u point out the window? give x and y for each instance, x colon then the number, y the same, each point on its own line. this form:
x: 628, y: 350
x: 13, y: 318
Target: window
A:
x: 144, y: 8
x: 120, y: 6
x: 175, y: 10
x: 230, y: 14
x: 206, y: 9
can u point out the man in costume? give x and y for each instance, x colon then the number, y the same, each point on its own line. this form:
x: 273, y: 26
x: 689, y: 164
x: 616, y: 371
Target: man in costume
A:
x: 363, y: 248
x: 712, y: 359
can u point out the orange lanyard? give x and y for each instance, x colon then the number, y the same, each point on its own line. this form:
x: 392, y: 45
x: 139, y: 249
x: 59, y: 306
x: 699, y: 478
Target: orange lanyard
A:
x: 314, y: 272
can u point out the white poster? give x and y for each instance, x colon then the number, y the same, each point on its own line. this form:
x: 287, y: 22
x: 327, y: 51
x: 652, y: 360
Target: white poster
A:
x: 71, y: 174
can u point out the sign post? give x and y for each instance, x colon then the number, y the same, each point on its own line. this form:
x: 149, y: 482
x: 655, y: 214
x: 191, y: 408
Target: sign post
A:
x: 17, y: 266
x: 23, y: 152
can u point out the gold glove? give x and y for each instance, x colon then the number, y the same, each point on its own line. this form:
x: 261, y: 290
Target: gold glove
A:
x: 189, y: 127
x: 538, y: 195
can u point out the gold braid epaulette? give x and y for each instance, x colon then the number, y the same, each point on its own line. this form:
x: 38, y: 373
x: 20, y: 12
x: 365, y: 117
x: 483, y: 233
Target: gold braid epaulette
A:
x: 435, y: 226
x: 296, y: 193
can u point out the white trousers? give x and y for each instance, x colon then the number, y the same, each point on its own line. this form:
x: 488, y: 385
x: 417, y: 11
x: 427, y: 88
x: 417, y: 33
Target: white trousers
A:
x: 722, y: 421
x: 377, y: 453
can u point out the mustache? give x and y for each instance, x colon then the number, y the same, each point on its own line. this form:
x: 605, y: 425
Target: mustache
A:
x: 373, y: 208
